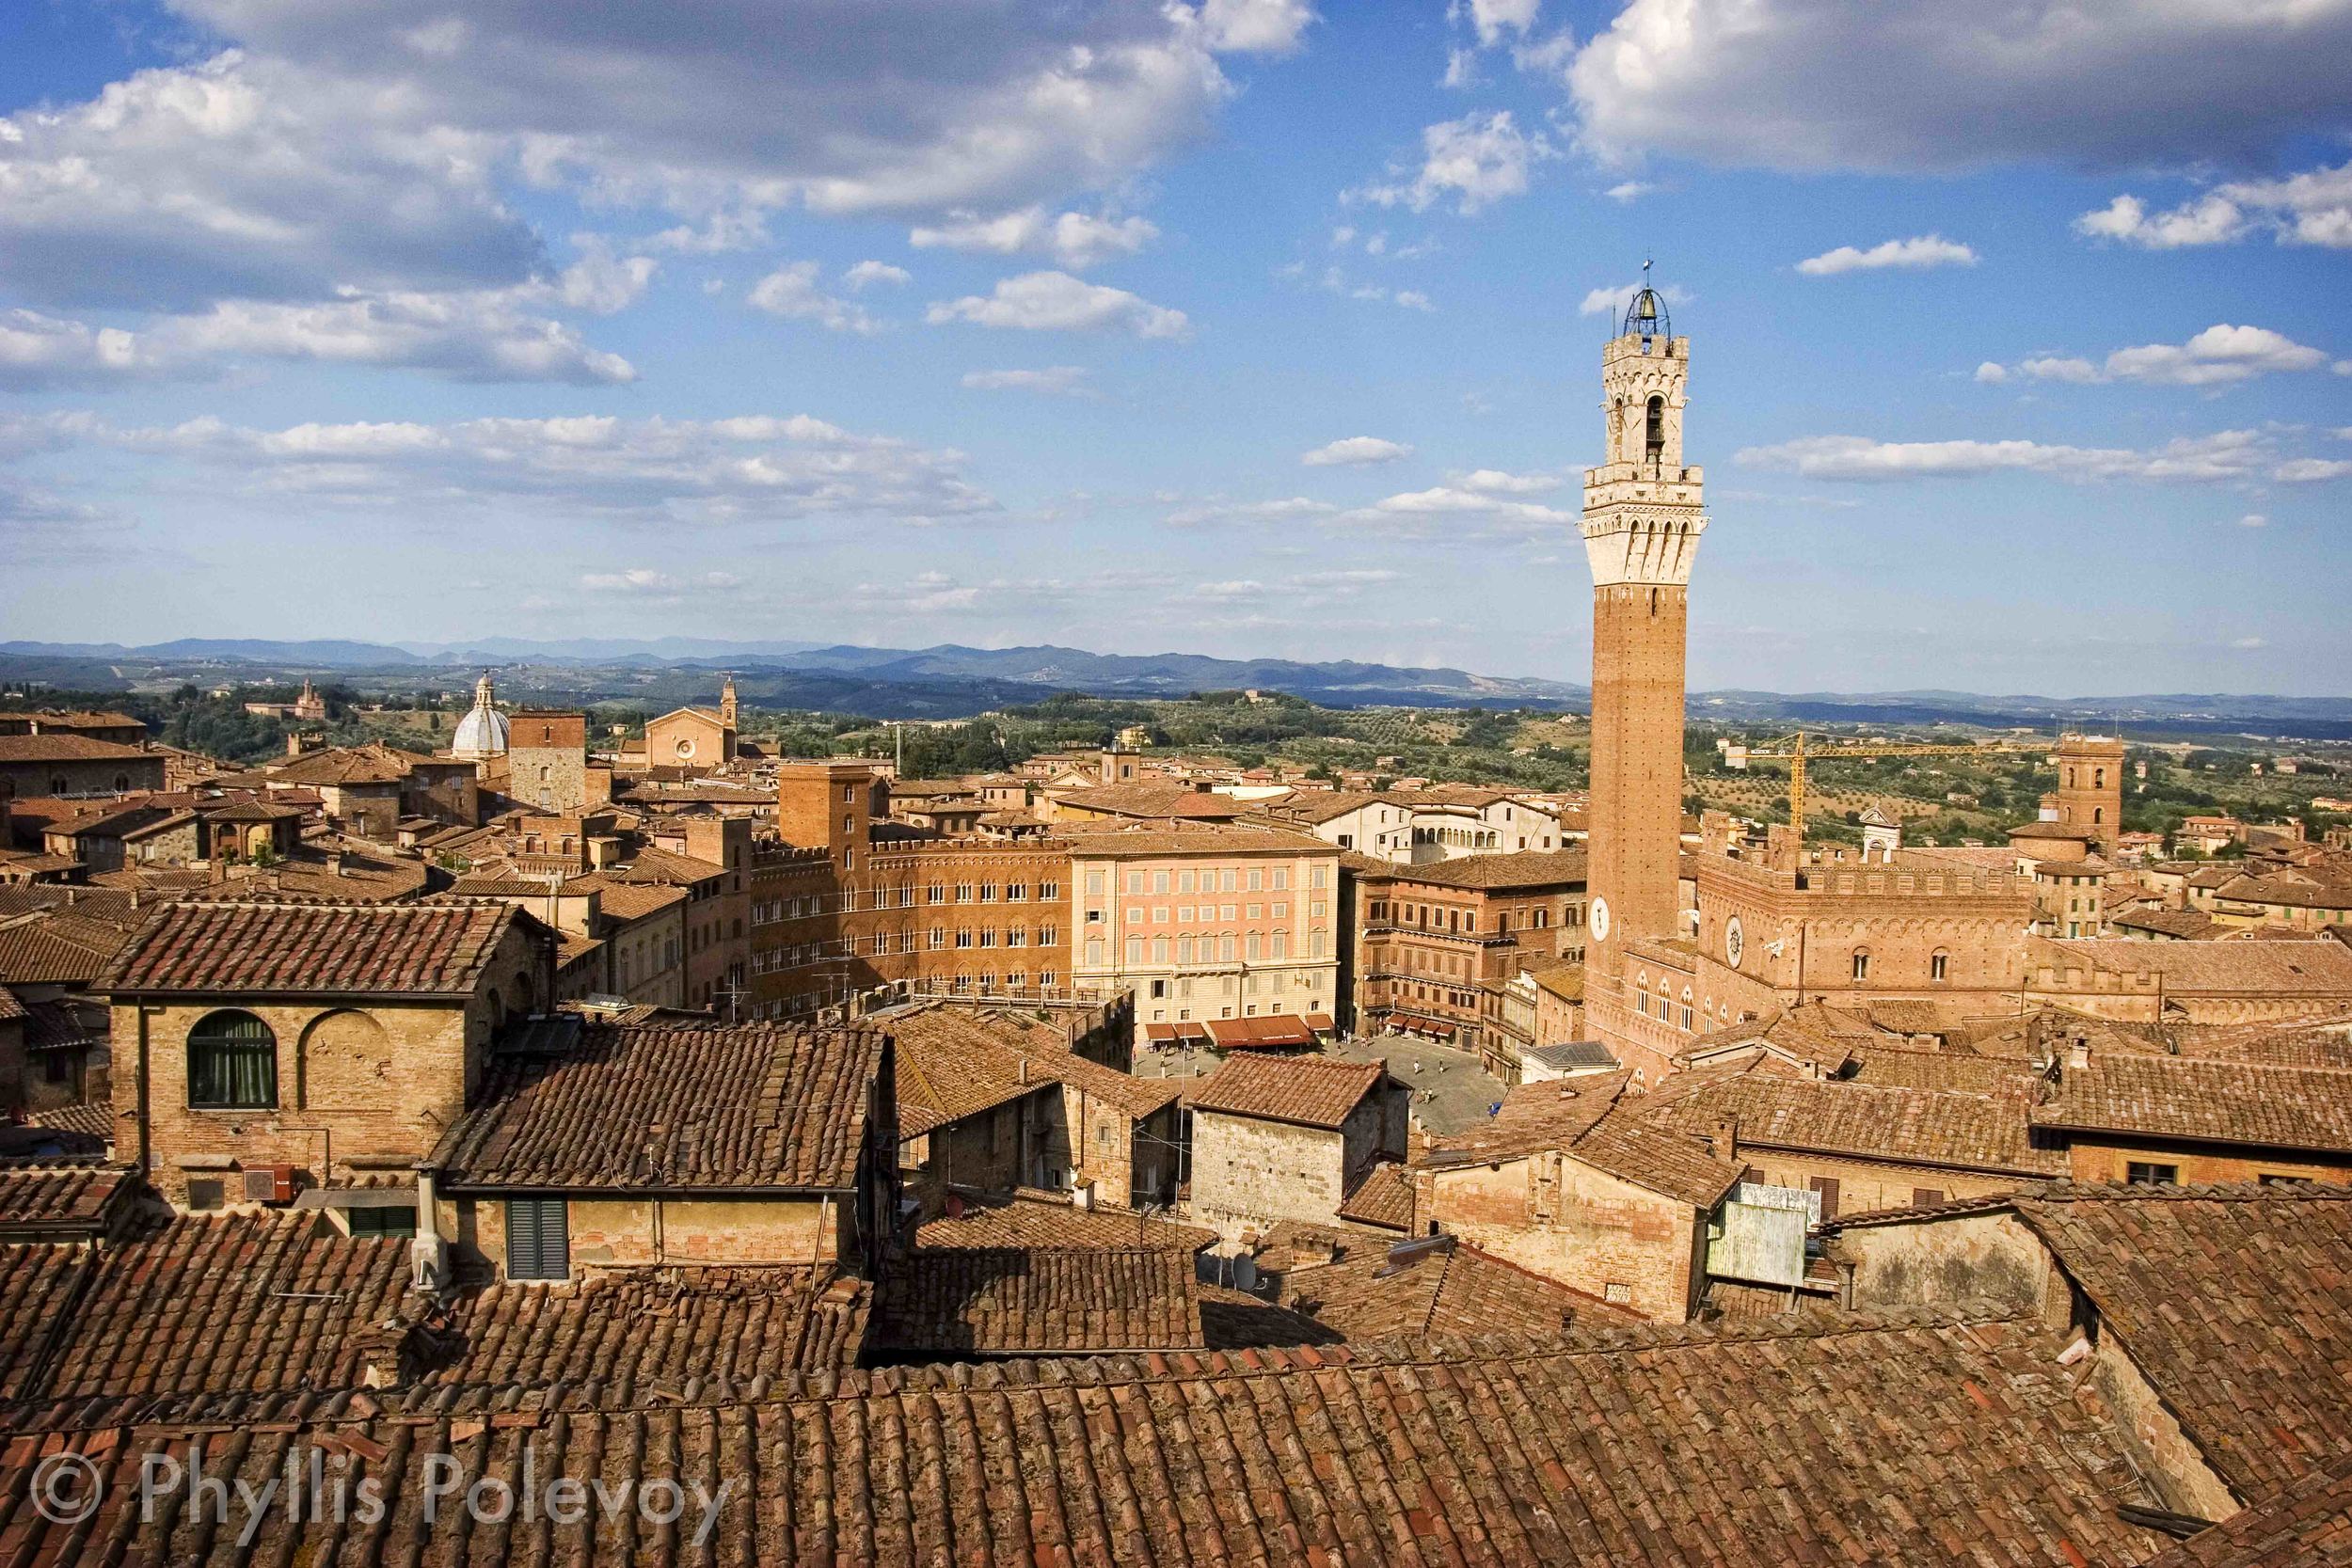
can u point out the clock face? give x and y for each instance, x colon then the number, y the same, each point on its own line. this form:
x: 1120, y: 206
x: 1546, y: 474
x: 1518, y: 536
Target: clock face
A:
x: 1735, y: 941
x: 1600, y: 920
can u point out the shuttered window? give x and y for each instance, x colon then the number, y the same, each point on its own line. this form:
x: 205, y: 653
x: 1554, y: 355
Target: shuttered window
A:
x: 538, y: 1242
x: 1827, y: 1187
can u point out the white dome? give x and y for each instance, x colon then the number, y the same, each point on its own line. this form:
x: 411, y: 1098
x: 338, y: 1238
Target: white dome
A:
x: 482, y: 732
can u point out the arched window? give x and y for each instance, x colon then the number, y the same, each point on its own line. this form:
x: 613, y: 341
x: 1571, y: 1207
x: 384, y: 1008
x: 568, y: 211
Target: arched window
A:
x: 233, y: 1063
x: 1862, y: 963
x: 1654, y: 440
x: 1939, y: 966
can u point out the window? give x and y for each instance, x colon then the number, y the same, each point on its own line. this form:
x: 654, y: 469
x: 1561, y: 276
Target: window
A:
x: 1654, y: 438
x: 1861, y: 963
x: 233, y: 1063
x: 395, y: 1220
x: 2140, y: 1170
x: 1922, y: 1196
x: 1827, y: 1187
x: 1939, y: 966
x: 538, y: 1239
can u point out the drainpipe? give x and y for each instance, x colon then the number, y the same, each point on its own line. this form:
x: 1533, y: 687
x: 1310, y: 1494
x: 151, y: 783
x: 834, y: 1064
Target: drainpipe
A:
x: 146, y: 1150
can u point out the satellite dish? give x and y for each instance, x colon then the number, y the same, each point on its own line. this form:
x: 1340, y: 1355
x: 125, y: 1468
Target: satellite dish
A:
x: 1244, y: 1274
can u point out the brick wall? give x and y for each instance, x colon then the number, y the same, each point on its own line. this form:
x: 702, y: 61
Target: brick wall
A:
x: 1867, y: 1184
x: 607, y: 1232
x: 1943, y: 1261
x: 1560, y: 1218
x: 2099, y: 1157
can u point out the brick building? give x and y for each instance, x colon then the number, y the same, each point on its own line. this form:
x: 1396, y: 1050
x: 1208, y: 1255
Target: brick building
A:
x: 2089, y: 798
x: 2240, y: 981
x: 593, y: 1147
x: 1438, y: 946
x: 2155, y: 1116
x: 1204, y: 922
x: 331, y: 1043
x: 1606, y: 1204
x: 547, y: 764
x: 696, y: 740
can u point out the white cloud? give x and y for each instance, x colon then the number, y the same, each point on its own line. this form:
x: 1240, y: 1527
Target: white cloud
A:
x: 1927, y: 84
x: 1355, y: 451
x: 644, y: 582
x: 2249, y: 642
x: 1629, y: 190
x: 1337, y: 281
x: 791, y: 292
x: 1074, y: 239
x: 1493, y: 18
x: 1068, y: 380
x: 753, y: 468
x: 1475, y: 161
x: 2220, y: 354
x: 2312, y: 471
x: 2226, y: 454
x: 1461, y: 69
x: 866, y: 274
x: 1255, y: 26
x: 2253, y: 520
x: 1221, y: 511
x: 1419, y: 512
x: 2310, y: 208
x: 1613, y: 302
x: 1496, y: 482
x: 1054, y: 301
x: 1992, y: 375
x: 1923, y: 251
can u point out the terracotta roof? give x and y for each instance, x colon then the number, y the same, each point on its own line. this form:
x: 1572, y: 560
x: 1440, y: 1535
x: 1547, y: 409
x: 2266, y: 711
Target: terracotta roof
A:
x: 2179, y: 925
x: 1382, y: 1196
x: 2184, y: 1097
x: 2305, y: 1525
x: 634, y: 1332
x: 1923, y: 1441
x: 32, y: 954
x: 1665, y: 1162
x: 951, y: 1302
x: 1528, y: 868
x: 79, y: 1130
x: 1871, y: 1121
x: 659, y: 865
x: 1381, y: 1289
x: 1547, y: 1114
x: 263, y: 947
x: 951, y: 1066
x: 1310, y: 1091
x: 2267, y: 968
x: 660, y: 1107
x: 246, y: 1305
x: 1110, y: 841
x: 61, y: 1199
x: 627, y: 900
x: 63, y: 746
x: 2234, y: 1301
x: 1039, y: 1223
x: 1145, y: 799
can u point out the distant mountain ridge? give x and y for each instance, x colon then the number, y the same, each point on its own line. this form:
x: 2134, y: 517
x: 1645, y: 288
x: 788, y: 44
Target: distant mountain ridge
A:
x: 952, y: 680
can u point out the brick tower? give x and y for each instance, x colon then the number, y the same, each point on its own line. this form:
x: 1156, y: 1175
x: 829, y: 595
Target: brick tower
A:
x: 2090, y: 787
x: 1642, y: 527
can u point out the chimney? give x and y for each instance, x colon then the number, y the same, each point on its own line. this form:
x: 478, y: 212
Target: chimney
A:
x: 2049, y: 808
x: 334, y: 862
x: 1723, y: 1141
x: 2078, y: 1053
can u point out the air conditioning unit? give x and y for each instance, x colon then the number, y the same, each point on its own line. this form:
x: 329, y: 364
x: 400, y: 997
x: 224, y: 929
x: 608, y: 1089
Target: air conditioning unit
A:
x: 269, y: 1183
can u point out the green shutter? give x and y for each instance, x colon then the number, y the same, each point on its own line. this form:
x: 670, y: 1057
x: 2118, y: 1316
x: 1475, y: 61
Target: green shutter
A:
x: 537, y: 1239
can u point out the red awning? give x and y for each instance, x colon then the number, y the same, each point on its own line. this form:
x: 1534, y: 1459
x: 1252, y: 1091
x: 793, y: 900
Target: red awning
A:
x: 1159, y: 1033
x: 1320, y: 1023
x: 1276, y: 1031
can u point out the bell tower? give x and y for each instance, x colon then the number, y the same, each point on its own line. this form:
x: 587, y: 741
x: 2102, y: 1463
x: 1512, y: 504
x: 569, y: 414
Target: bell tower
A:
x: 1642, y: 525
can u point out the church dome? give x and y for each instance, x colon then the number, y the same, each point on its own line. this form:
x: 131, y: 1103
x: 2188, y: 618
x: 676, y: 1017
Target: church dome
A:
x: 482, y: 732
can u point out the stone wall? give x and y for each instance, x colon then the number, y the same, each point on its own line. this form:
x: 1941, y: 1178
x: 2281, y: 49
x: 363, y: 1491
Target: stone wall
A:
x: 1560, y: 1218
x: 1246, y: 1171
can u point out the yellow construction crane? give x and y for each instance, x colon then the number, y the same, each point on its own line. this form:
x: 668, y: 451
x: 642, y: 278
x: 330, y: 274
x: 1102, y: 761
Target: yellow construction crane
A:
x: 1792, y: 750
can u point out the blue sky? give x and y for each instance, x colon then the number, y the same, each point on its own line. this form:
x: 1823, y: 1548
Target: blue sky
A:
x: 2022, y: 360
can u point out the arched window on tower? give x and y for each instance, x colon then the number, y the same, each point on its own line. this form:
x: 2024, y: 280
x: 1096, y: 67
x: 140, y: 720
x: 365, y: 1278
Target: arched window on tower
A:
x: 1655, y: 440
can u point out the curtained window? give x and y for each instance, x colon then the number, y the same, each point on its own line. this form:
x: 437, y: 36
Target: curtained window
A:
x: 233, y: 1063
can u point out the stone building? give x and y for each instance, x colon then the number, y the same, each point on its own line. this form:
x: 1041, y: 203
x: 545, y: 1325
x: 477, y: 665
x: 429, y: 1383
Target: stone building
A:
x: 317, y: 1045
x: 2089, y: 798
x: 1290, y: 1138
x: 65, y: 763
x: 368, y: 789
x: 1642, y: 520
x: 2151, y: 1115
x: 601, y: 1146
x: 1418, y: 827
x: 547, y: 763
x: 1206, y: 922
x: 1438, y: 946
x: 2244, y: 980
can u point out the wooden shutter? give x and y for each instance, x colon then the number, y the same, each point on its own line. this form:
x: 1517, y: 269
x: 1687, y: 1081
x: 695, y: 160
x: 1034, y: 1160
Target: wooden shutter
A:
x: 1921, y: 1196
x: 538, y: 1242
x: 1827, y: 1187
